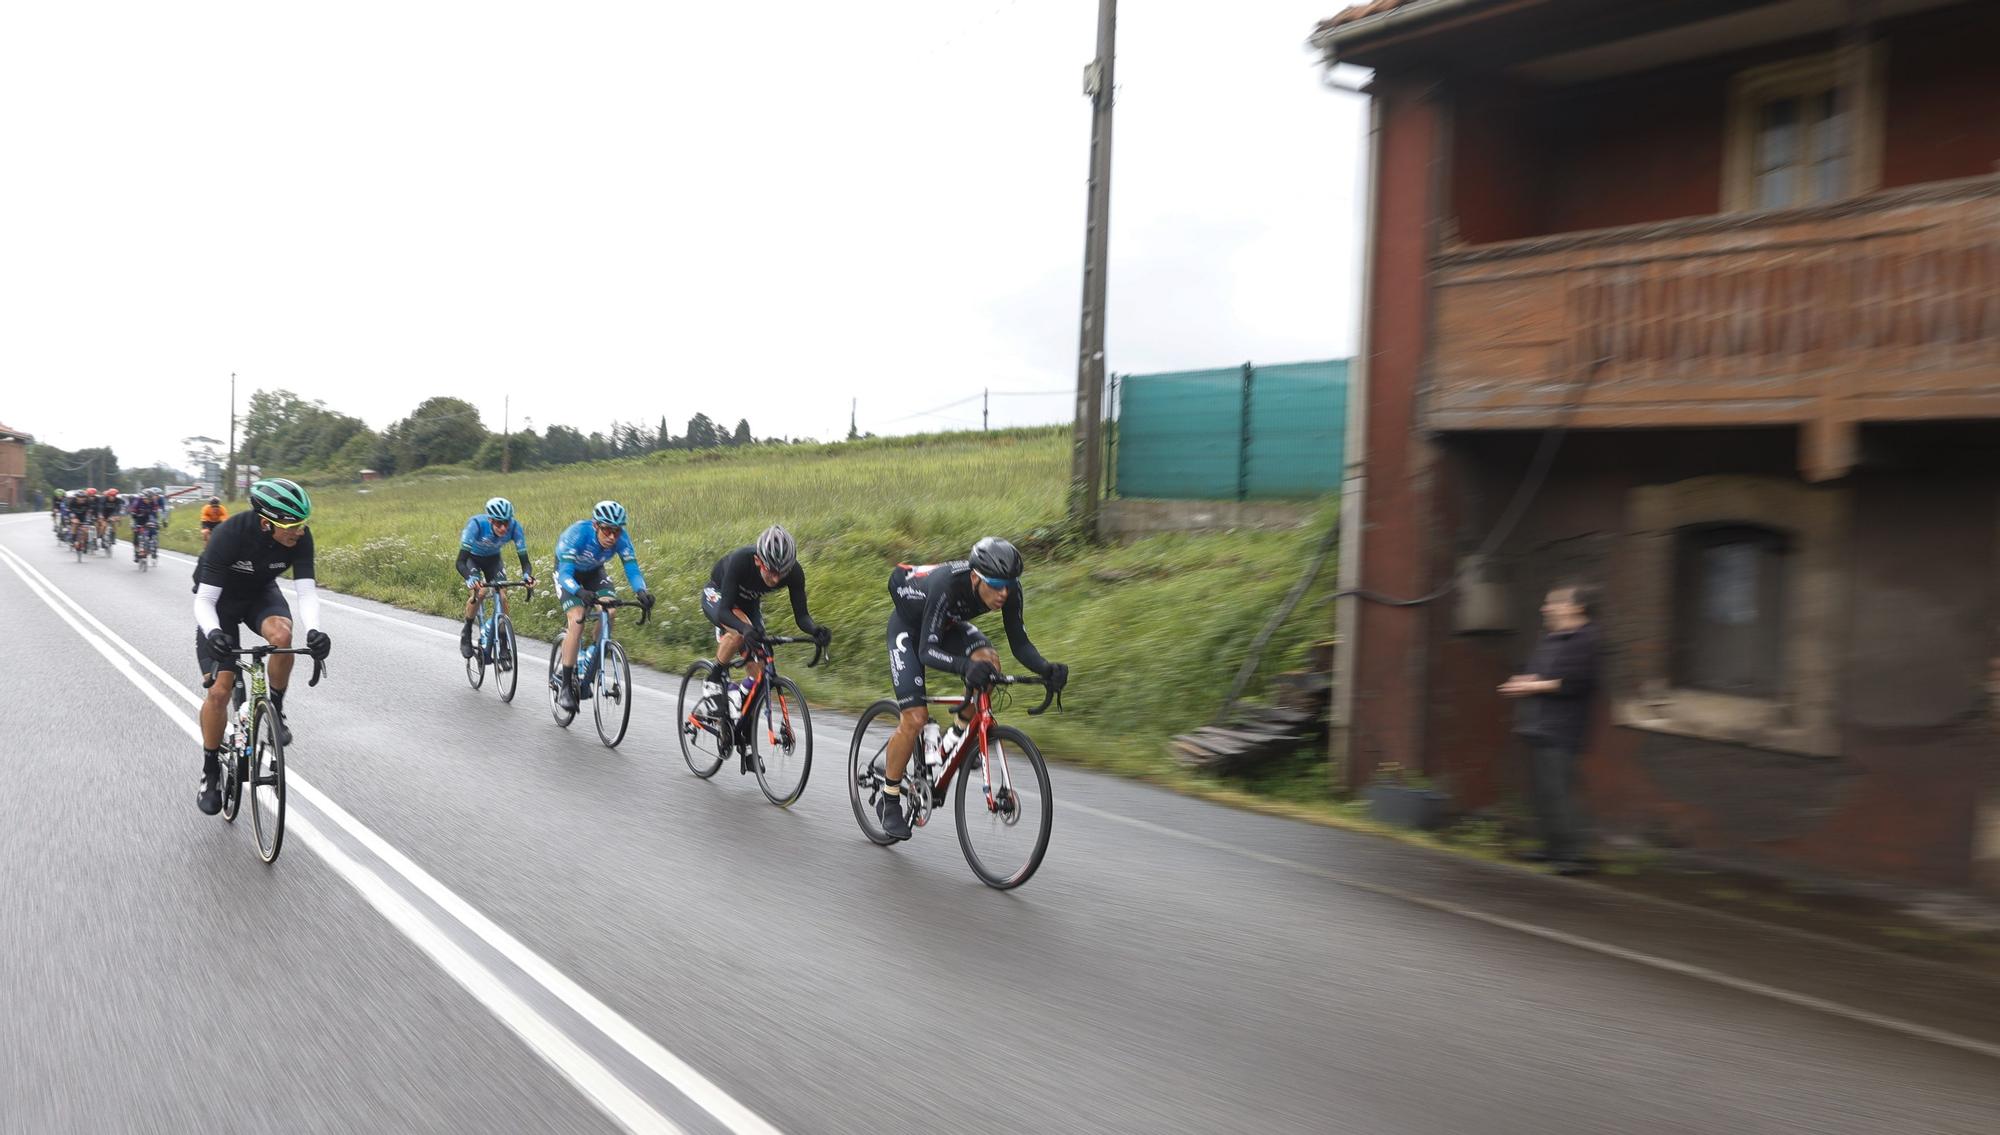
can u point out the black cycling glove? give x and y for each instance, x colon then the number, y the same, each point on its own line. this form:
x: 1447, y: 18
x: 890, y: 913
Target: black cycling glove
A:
x: 981, y: 674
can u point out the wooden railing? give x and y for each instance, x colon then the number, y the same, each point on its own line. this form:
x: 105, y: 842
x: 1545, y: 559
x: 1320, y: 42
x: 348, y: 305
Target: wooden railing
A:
x: 1882, y: 308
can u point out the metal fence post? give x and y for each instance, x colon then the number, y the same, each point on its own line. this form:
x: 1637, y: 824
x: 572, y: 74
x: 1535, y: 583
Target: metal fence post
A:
x: 1243, y: 440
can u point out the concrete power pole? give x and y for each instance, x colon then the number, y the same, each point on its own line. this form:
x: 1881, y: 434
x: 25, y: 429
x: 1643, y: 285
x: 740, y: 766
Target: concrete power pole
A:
x: 229, y: 488
x: 506, y: 433
x: 1087, y: 452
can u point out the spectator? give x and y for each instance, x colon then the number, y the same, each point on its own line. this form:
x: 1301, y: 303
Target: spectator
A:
x: 1554, y: 696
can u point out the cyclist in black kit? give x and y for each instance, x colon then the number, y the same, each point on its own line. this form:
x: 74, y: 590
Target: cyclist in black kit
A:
x: 932, y: 626
x: 734, y: 599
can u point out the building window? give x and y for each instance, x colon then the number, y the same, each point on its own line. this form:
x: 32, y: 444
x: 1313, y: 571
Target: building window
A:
x: 1804, y: 132
x: 1729, y: 603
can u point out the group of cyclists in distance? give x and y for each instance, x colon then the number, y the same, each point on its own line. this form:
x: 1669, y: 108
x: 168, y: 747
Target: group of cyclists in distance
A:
x: 929, y: 626
x: 97, y: 513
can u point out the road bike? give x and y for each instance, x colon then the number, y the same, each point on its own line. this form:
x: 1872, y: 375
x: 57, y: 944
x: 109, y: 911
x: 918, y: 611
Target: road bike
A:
x: 495, y: 647
x: 253, y: 750
x: 81, y: 535
x: 1005, y: 832
x: 146, y: 546
x: 780, y: 753
x: 603, y: 674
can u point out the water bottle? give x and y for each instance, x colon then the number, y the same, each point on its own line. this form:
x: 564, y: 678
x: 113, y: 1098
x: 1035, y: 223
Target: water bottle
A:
x: 951, y: 740
x: 933, y: 748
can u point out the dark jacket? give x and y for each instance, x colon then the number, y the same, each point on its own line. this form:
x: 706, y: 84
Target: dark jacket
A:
x: 1560, y: 718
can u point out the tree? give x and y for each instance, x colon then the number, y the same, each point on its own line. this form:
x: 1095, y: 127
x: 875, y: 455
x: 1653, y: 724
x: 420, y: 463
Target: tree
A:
x: 355, y: 454
x: 282, y: 431
x: 156, y: 475
x: 742, y: 435
x: 563, y: 445
x: 441, y: 431
x: 663, y: 439
x: 526, y: 450
x: 84, y: 468
x: 701, y: 433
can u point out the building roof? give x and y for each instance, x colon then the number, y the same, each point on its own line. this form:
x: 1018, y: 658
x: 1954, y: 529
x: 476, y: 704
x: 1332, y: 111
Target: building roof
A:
x: 8, y: 433
x: 1359, y: 12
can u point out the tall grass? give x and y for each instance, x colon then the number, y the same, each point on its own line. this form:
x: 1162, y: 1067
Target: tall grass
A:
x: 1152, y: 631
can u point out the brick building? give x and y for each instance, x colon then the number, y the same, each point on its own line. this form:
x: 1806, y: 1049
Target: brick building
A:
x: 1738, y: 263
x: 14, y: 487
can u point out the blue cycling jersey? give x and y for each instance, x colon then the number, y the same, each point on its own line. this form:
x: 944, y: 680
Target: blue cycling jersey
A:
x: 578, y: 550
x: 480, y: 540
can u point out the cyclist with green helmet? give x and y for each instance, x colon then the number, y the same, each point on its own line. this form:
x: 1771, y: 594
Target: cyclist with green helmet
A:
x: 236, y: 586
x: 479, y: 547
x: 583, y: 551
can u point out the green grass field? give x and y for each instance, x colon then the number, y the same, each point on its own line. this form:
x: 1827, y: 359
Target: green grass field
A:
x: 1152, y: 631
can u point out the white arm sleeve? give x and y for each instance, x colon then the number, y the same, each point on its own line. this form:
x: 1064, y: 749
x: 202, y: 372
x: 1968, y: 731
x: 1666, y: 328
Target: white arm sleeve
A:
x: 204, y: 607
x: 308, y: 621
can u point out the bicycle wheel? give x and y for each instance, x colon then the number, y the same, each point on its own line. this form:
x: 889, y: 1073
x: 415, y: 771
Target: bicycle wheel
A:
x: 784, y: 760
x: 701, y: 746
x: 505, y: 674
x: 475, y: 666
x: 867, y: 757
x: 267, y: 782
x: 563, y: 716
x: 1010, y: 821
x: 613, y: 708
x: 232, y: 783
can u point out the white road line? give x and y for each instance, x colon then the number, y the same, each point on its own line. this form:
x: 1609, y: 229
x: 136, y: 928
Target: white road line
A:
x: 598, y: 1083
x: 1668, y: 965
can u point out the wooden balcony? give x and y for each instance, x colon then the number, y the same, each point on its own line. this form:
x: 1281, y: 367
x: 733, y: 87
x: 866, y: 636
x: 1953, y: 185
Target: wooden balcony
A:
x: 1885, y: 308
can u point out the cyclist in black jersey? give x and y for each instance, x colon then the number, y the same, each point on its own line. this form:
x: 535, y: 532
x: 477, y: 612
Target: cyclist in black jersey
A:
x: 235, y: 586
x: 734, y: 602
x: 931, y: 626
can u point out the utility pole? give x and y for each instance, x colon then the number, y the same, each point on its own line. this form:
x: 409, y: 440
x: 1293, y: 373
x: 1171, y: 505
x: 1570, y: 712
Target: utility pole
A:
x: 506, y: 433
x: 985, y: 404
x: 229, y: 489
x: 1086, y: 456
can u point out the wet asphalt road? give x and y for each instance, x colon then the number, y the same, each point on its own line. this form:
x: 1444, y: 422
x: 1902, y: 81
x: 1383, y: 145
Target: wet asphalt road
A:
x: 482, y: 922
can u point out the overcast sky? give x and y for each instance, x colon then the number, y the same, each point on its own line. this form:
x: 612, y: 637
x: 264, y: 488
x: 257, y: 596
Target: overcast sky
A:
x: 622, y: 211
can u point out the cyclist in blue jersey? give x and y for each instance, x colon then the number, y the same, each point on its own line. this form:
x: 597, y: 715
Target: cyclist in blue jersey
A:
x: 479, y: 558
x: 583, y: 551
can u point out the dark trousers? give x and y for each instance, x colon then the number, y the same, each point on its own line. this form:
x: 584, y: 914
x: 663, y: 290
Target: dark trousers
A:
x: 1552, y: 776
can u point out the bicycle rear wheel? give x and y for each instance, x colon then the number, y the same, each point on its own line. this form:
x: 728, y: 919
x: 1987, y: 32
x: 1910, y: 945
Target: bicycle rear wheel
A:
x: 506, y: 675
x: 267, y: 782
x: 785, y: 760
x: 563, y: 716
x: 613, y: 708
x: 701, y: 745
x: 867, y: 759
x: 1008, y: 820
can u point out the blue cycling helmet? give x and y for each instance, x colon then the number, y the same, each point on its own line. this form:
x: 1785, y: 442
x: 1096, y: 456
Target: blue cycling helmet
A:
x: 609, y: 512
x: 500, y: 508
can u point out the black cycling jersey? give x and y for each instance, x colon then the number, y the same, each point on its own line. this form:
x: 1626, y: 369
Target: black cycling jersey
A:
x: 241, y: 557
x: 737, y: 584
x: 932, y: 600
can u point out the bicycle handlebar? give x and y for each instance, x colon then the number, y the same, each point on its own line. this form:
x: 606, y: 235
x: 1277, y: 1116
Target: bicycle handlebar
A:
x: 609, y: 604
x: 259, y: 653
x: 1051, y: 696
x: 819, y: 652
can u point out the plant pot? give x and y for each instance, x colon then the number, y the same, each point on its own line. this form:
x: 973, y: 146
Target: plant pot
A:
x: 1420, y: 808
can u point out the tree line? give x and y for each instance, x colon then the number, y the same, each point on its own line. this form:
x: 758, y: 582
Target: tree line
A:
x: 282, y: 432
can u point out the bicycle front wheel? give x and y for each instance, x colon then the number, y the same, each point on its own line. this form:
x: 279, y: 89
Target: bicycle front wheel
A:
x: 867, y: 762
x: 267, y: 783
x: 613, y: 708
x: 701, y: 744
x: 506, y: 675
x: 783, y: 752
x: 475, y: 666
x: 563, y: 716
x: 1004, y: 828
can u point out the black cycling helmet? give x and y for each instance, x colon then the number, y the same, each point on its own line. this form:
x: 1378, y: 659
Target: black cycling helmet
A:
x: 777, y: 549
x: 996, y: 559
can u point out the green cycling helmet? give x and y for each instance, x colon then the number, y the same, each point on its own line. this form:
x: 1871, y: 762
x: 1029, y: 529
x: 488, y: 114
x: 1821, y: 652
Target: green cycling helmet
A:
x: 280, y: 501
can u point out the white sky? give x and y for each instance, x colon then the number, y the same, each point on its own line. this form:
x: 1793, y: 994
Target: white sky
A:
x: 619, y: 211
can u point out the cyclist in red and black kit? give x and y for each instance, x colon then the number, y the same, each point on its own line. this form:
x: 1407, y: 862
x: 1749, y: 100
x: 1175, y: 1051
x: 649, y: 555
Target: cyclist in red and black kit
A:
x: 145, y: 511
x: 932, y: 626
x: 734, y: 602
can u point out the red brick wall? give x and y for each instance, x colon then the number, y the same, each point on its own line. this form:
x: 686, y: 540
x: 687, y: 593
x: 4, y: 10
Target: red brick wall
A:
x: 1943, y: 97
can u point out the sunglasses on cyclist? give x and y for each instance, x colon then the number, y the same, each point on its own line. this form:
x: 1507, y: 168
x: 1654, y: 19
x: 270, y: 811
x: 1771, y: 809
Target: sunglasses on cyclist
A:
x: 285, y: 524
x: 1000, y: 584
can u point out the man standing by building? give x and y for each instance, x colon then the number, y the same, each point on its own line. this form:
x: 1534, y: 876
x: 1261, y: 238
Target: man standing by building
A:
x: 1555, y: 696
